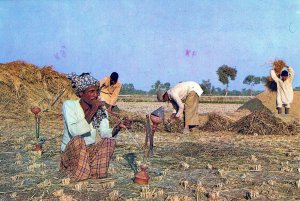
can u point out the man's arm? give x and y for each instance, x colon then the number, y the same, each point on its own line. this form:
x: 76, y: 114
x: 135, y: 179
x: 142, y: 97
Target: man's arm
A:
x: 106, y: 131
x: 76, y: 125
x: 291, y: 72
x: 90, y: 113
x: 115, y: 94
x: 102, y: 82
x: 180, y: 104
x: 274, y: 76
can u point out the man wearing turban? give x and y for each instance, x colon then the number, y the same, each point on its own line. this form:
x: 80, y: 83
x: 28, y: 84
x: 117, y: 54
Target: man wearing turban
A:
x: 81, y: 156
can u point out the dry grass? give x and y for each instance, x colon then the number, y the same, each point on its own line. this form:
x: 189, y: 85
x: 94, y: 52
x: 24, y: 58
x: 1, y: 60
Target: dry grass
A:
x: 195, y: 166
x: 264, y: 123
x: 278, y: 65
x: 216, y: 122
x: 204, y: 165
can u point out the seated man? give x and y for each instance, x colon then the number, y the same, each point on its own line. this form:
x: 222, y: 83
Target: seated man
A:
x: 109, y: 91
x: 81, y: 156
x: 190, y: 91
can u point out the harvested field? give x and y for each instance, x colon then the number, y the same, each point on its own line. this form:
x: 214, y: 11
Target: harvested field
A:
x: 192, y: 165
x: 204, y: 164
x: 204, y: 108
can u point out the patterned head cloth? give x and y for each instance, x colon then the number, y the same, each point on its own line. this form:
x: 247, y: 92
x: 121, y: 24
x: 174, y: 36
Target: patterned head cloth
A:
x: 81, y: 82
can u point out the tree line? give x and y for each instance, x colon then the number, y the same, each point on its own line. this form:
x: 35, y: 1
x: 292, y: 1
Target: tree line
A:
x: 225, y: 74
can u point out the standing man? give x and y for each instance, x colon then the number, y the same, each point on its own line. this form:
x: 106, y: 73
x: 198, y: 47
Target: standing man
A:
x: 109, y: 91
x: 285, y: 91
x: 81, y: 156
x: 190, y: 91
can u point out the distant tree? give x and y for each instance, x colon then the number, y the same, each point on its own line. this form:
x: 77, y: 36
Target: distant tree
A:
x: 235, y: 93
x: 218, y: 91
x: 166, y: 85
x: 251, y: 80
x: 297, y: 88
x: 206, y: 86
x: 158, y: 85
x: 128, y: 88
x: 225, y: 72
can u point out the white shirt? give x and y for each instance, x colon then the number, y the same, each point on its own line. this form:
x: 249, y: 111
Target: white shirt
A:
x: 285, y: 93
x: 180, y: 92
x: 75, y: 124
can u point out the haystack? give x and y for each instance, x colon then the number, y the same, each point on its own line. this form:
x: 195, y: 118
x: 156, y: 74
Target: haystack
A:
x: 24, y: 85
x: 267, y: 101
x: 216, y: 122
x: 264, y: 123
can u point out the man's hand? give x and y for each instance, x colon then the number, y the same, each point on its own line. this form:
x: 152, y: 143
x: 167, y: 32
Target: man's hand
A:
x: 109, y: 109
x: 125, y: 123
x: 96, y: 104
x: 174, y: 118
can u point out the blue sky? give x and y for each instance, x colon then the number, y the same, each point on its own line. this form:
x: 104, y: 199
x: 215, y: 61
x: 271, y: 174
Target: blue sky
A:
x: 145, y: 41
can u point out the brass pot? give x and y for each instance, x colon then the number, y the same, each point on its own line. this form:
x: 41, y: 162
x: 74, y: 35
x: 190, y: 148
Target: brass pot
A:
x: 142, y: 176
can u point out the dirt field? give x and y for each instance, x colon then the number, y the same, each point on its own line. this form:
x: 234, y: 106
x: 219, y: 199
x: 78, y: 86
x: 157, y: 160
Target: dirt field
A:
x: 204, y: 108
x: 199, y: 166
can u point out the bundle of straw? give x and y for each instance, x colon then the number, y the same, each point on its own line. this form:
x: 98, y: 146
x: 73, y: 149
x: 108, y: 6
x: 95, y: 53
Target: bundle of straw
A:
x: 278, y: 65
x: 270, y: 84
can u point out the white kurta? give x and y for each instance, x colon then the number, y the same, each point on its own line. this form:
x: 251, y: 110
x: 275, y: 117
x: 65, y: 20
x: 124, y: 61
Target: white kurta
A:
x: 75, y: 124
x: 285, y: 91
x: 180, y: 92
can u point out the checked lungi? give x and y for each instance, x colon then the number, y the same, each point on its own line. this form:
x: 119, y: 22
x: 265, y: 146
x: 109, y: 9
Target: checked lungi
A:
x: 81, y: 162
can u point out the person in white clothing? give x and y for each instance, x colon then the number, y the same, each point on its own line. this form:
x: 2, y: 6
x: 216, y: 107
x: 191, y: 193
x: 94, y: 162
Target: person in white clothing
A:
x: 190, y: 92
x: 285, y: 91
x: 82, y: 157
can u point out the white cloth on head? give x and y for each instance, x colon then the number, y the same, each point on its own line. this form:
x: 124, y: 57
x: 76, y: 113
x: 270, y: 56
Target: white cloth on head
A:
x: 180, y: 92
x: 75, y: 124
x: 285, y: 93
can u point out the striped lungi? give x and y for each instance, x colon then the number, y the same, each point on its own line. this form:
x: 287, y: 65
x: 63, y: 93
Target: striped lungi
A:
x: 81, y: 162
x: 191, y: 109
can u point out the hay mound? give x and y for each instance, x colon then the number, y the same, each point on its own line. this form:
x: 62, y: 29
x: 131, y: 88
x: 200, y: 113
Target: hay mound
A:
x: 270, y: 84
x: 264, y: 123
x: 172, y: 126
x: 216, y: 122
x: 25, y: 85
x: 278, y: 65
x: 138, y: 122
x: 267, y: 101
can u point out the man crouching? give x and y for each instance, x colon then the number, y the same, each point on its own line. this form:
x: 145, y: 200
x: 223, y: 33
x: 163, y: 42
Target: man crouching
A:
x: 81, y: 157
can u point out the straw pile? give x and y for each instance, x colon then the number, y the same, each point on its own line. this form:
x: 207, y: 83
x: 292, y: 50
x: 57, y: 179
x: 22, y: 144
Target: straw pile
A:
x: 278, y: 65
x: 270, y: 84
x: 216, y: 122
x: 264, y: 123
x: 267, y: 101
x: 173, y: 126
x: 25, y: 85
x: 138, y: 122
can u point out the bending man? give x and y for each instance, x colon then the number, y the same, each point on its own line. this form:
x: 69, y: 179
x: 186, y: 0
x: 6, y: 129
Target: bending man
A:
x: 110, y: 88
x: 190, y: 91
